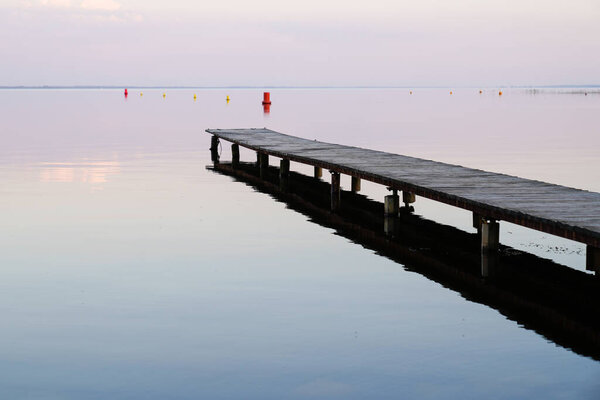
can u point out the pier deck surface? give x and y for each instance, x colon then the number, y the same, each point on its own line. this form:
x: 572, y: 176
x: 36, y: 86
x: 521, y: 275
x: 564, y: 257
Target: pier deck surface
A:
x: 555, y: 209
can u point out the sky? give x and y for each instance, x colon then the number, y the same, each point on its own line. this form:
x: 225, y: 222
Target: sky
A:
x: 299, y: 43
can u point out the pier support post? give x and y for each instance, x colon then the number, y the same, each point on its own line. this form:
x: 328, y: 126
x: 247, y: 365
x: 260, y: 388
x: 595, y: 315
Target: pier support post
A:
x: 477, y: 221
x: 391, y: 204
x: 592, y: 259
x: 318, y: 172
x: 263, y: 165
x: 214, y: 149
x: 284, y: 174
x: 335, y: 191
x: 408, y: 198
x: 235, y: 155
x: 355, y: 184
x: 391, y: 208
x: 490, y: 235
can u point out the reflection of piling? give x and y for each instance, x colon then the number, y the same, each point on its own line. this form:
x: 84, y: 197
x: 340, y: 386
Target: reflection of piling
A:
x: 489, y: 232
x: 391, y: 208
x: 390, y: 225
x: 490, y: 265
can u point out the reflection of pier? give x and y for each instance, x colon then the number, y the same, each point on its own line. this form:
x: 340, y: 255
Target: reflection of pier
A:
x: 555, y: 301
x: 570, y: 213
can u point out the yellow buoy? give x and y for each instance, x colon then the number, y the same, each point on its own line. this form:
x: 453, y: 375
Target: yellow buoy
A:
x: 450, y: 92
x: 194, y: 96
x: 227, y: 98
x: 164, y: 95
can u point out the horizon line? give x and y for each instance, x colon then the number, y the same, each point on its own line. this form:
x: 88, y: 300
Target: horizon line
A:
x: 176, y: 87
x: 294, y: 86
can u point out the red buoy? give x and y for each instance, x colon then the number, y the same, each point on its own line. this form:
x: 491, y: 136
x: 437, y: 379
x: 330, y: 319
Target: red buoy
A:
x: 266, y: 98
x: 126, y: 92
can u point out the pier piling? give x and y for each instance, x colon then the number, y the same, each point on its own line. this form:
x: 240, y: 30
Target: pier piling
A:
x: 391, y: 208
x: 592, y: 259
x: 318, y: 172
x: 391, y: 204
x: 355, y: 184
x: 263, y: 165
x: 335, y: 191
x: 490, y: 235
x: 214, y: 149
x: 477, y: 221
x: 408, y: 198
x: 284, y: 174
x: 235, y: 155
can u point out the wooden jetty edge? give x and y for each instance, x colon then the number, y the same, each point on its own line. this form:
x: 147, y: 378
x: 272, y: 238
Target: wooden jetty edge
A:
x: 559, y: 210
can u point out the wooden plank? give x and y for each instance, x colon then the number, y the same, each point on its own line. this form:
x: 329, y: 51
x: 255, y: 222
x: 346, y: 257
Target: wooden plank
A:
x: 559, y: 210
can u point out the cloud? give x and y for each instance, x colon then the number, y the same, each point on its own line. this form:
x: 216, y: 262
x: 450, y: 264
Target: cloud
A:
x: 59, y: 12
x: 90, y: 5
x: 56, y: 3
x: 99, y: 5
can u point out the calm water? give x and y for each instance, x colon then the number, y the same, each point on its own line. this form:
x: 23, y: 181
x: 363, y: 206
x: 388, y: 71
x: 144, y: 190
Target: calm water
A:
x: 131, y: 272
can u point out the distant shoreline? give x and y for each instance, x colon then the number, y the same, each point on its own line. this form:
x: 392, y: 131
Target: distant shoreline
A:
x: 109, y: 87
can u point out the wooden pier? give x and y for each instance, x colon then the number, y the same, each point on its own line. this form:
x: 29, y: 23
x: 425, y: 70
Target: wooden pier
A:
x: 562, y: 211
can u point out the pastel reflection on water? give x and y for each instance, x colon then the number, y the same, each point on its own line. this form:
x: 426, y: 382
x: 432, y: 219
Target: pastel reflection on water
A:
x: 171, y: 281
x: 86, y: 172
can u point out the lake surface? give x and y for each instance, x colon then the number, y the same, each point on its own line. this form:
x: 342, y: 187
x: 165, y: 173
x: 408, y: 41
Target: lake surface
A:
x: 129, y: 271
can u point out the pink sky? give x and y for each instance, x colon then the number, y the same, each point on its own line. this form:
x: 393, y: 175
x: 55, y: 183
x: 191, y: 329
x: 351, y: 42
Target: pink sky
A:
x: 299, y: 43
